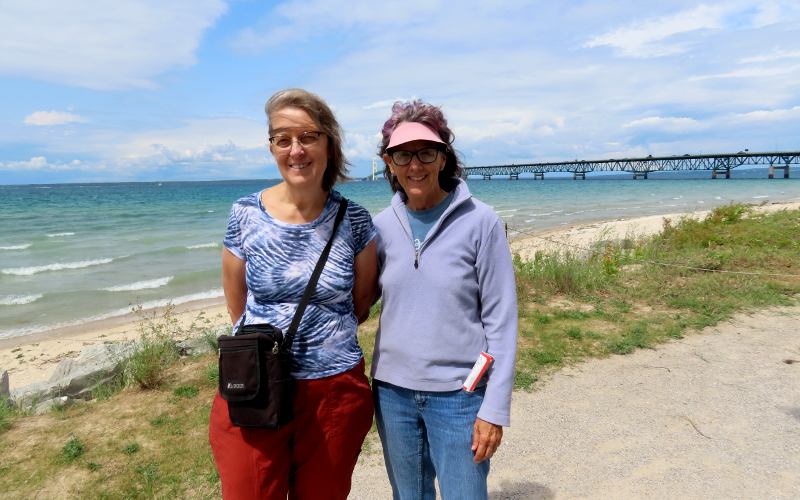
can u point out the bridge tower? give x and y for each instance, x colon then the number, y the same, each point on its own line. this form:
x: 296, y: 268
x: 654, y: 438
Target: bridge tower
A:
x: 721, y: 166
x: 374, y: 169
x: 785, y: 169
x: 639, y: 174
x: 538, y: 175
x: 577, y: 174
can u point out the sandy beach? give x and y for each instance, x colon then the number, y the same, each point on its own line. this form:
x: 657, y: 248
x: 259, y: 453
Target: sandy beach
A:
x: 32, y: 358
x: 581, y: 238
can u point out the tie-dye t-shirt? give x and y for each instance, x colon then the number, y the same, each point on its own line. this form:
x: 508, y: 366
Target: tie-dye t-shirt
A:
x: 279, y: 259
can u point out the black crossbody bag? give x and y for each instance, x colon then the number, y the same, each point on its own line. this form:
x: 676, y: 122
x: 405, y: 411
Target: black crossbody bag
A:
x: 255, y: 364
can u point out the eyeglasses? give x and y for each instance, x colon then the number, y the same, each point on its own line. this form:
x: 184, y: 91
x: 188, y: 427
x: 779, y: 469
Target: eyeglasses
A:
x: 306, y: 139
x: 403, y: 158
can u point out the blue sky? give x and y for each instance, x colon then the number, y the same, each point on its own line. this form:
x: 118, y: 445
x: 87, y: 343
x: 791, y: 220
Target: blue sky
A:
x: 169, y: 90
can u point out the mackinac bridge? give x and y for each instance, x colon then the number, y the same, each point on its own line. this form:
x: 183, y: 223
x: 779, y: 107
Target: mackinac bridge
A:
x: 718, y: 165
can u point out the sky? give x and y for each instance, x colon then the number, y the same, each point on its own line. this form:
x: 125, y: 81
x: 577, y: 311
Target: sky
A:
x: 151, y: 90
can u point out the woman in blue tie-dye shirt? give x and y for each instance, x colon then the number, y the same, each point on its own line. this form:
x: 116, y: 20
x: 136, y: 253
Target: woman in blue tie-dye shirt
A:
x: 272, y: 244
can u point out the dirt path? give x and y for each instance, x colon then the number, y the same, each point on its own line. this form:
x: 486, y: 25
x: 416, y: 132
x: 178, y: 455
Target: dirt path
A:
x: 714, y: 415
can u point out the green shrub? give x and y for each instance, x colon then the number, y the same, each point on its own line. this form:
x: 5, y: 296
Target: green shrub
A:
x: 131, y: 449
x: 73, y: 449
x: 7, y: 413
x: 105, y: 391
x: 147, y: 366
x: 562, y: 273
x: 186, y: 391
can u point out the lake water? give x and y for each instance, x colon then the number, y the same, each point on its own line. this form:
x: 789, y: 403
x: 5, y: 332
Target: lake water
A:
x: 72, y: 253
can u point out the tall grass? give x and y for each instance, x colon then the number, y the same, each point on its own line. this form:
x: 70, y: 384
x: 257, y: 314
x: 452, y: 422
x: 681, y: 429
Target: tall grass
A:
x: 611, y: 301
x: 622, y: 296
x: 7, y: 413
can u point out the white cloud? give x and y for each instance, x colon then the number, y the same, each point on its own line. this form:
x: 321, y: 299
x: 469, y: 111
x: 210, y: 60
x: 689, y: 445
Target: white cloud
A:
x: 768, y: 115
x: 750, y: 72
x: 665, y: 124
x: 297, y: 21
x: 386, y: 103
x: 40, y: 163
x: 640, y: 39
x: 101, y: 45
x: 770, y: 12
x: 201, y: 139
x: 775, y: 55
x: 51, y: 118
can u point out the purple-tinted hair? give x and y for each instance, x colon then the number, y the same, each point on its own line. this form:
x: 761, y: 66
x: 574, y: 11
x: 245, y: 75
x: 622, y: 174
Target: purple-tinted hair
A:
x: 433, y: 117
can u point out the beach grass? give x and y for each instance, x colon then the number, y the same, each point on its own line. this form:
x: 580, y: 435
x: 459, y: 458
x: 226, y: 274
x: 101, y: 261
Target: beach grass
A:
x: 613, y: 299
x: 620, y: 296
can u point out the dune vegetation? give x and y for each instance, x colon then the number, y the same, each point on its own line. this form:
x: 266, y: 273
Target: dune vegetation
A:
x: 145, y: 435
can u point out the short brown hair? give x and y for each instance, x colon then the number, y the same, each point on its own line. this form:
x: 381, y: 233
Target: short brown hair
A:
x: 321, y: 113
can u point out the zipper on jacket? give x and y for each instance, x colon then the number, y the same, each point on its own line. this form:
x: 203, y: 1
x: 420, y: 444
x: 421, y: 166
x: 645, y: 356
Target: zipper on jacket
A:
x: 418, y: 251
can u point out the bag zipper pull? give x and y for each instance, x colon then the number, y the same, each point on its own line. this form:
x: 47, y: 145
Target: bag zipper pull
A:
x: 416, y: 259
x: 275, y: 348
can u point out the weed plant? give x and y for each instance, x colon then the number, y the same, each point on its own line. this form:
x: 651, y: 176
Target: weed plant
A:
x: 155, y: 349
x: 621, y: 296
x: 7, y: 413
x: 611, y: 301
x: 105, y: 391
x: 73, y: 449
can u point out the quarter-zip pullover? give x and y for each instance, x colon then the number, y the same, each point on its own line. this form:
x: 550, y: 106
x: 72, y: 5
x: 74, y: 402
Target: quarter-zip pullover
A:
x: 447, y: 301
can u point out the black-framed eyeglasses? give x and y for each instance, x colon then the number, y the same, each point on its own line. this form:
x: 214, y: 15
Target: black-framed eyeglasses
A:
x: 403, y: 158
x: 305, y: 139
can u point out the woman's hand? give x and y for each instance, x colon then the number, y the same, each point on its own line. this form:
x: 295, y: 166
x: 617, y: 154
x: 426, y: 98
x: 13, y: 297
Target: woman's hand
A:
x: 486, y: 439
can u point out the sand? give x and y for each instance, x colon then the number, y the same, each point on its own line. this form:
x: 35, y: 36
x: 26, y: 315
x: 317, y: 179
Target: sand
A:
x: 716, y: 414
x: 580, y: 238
x: 33, y: 358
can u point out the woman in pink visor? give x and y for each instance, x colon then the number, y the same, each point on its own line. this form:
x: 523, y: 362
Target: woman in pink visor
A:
x: 448, y: 305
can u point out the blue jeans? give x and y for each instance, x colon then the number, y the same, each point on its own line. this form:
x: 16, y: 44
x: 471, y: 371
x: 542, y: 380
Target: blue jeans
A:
x: 428, y: 434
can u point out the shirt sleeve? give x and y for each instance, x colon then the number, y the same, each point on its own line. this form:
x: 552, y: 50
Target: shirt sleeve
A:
x: 233, y: 235
x: 361, y: 225
x: 498, y: 296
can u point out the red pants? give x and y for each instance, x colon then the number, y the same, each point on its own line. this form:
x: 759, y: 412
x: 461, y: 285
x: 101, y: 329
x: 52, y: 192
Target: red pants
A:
x: 312, y: 457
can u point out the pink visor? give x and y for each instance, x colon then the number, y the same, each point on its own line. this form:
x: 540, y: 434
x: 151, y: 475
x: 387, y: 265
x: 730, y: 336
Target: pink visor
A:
x: 412, y: 131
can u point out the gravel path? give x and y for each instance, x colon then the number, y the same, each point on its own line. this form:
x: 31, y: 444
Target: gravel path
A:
x: 714, y: 415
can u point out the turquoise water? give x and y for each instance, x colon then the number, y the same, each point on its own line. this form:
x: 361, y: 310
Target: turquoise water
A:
x: 71, y: 253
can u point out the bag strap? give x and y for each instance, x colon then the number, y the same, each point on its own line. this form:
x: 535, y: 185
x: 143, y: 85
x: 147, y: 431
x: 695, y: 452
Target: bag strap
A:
x: 312, y: 282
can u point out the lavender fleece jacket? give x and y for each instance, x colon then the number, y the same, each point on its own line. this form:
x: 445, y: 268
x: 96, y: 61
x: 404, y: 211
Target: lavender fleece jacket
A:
x: 459, y: 300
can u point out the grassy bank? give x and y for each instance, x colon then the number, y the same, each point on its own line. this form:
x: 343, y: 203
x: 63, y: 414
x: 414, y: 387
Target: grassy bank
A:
x: 620, y: 296
x: 612, y: 299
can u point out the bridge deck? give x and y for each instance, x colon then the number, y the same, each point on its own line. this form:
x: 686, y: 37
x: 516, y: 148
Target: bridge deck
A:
x: 640, y: 167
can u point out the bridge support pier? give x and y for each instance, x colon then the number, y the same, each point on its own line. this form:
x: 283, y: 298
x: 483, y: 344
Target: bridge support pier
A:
x: 578, y: 175
x: 513, y: 177
x: 487, y: 177
x: 538, y: 175
x: 716, y: 171
x: 640, y: 175
x: 785, y: 169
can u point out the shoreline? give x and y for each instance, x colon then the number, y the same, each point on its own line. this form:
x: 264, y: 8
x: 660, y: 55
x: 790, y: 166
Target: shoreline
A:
x: 32, y: 358
x: 582, y: 237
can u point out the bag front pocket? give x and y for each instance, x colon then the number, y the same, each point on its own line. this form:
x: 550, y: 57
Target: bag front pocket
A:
x: 239, y: 370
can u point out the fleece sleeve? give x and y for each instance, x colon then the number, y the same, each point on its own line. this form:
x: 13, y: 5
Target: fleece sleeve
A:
x: 498, y: 295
